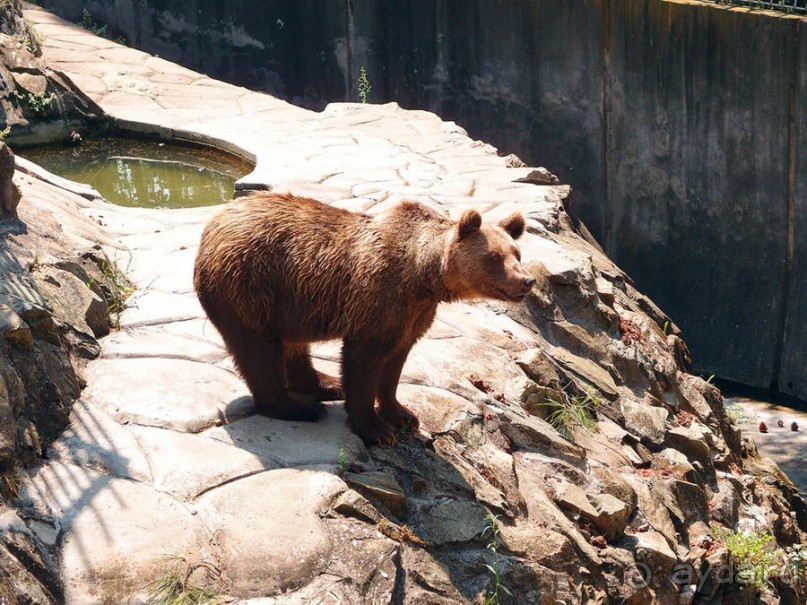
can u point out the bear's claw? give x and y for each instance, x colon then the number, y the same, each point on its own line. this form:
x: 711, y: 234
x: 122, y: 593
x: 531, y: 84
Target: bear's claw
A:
x: 376, y: 433
x: 401, y: 418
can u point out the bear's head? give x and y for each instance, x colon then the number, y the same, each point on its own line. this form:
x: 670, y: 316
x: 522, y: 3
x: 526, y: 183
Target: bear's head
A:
x: 484, y: 260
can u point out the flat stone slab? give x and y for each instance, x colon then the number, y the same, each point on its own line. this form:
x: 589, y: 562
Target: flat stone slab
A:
x: 152, y: 307
x: 289, y: 443
x: 269, y: 529
x: 156, y: 341
x: 170, y: 393
x: 95, y: 441
x: 187, y: 465
x: 116, y: 532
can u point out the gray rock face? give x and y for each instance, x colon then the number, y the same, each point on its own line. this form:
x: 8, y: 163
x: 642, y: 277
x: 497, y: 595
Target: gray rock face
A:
x: 646, y: 421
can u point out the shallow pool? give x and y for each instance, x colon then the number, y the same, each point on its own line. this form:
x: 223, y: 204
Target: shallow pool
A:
x: 146, y: 174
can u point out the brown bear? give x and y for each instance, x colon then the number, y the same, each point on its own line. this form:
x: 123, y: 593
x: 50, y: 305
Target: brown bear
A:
x: 277, y: 272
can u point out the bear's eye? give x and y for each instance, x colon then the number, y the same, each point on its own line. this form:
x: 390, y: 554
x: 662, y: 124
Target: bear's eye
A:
x: 495, y: 257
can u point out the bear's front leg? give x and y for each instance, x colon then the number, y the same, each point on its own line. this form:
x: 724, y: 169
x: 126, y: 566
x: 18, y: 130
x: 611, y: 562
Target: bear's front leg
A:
x: 389, y: 408
x: 362, y: 363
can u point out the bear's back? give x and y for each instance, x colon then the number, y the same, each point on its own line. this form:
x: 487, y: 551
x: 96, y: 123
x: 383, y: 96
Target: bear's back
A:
x: 293, y: 265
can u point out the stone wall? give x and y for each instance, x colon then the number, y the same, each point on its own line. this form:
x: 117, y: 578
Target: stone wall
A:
x: 678, y: 123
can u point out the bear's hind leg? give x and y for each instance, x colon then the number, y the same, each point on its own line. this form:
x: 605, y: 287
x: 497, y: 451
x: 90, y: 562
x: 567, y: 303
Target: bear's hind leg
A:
x: 305, y: 380
x: 361, y: 370
x: 261, y: 362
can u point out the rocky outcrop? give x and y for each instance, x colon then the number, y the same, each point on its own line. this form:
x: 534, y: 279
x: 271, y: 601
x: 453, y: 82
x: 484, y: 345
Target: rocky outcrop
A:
x: 565, y: 452
x: 37, y: 104
x: 54, y: 287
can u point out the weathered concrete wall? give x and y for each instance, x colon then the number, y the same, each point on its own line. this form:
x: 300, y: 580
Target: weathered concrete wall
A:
x: 697, y: 142
x: 793, y: 370
x: 678, y: 123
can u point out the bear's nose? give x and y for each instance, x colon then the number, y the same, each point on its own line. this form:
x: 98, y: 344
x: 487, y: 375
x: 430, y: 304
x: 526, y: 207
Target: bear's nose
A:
x: 529, y: 282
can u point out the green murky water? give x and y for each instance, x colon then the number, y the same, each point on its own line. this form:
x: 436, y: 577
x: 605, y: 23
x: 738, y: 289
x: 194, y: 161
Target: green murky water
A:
x: 146, y: 174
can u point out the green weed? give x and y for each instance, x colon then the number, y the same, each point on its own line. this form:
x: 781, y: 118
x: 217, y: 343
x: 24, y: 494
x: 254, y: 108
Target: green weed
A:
x: 39, y: 103
x: 30, y: 37
x: 364, y: 85
x: 796, y: 558
x: 573, y: 411
x: 115, y: 287
x: 492, y: 529
x: 342, y: 464
x: 90, y: 24
x: 755, y: 554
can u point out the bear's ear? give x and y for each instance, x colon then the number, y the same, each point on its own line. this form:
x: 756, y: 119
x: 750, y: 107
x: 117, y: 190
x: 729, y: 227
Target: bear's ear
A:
x: 470, y: 221
x: 514, y: 225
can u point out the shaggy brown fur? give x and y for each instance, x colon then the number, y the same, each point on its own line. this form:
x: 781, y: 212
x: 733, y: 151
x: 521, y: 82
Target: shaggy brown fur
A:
x: 276, y: 272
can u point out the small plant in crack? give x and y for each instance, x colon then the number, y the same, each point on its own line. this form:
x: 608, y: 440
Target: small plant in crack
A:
x: 342, y: 463
x: 499, y: 589
x: 10, y: 483
x: 364, y: 85
x: 90, y: 24
x: 754, y: 553
x: 571, y: 411
x: 176, y: 587
x: 39, y: 103
x: 115, y: 287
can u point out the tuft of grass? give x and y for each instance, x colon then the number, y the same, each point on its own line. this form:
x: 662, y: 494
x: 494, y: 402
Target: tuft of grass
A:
x: 492, y: 529
x: 116, y: 288
x: 10, y: 483
x: 4, y: 133
x: 755, y: 554
x: 342, y: 464
x: 364, y: 85
x: 573, y: 411
x: 175, y: 586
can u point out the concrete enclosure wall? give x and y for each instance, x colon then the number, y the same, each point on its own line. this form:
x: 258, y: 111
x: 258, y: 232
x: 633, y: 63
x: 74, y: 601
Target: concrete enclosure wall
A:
x: 681, y: 125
